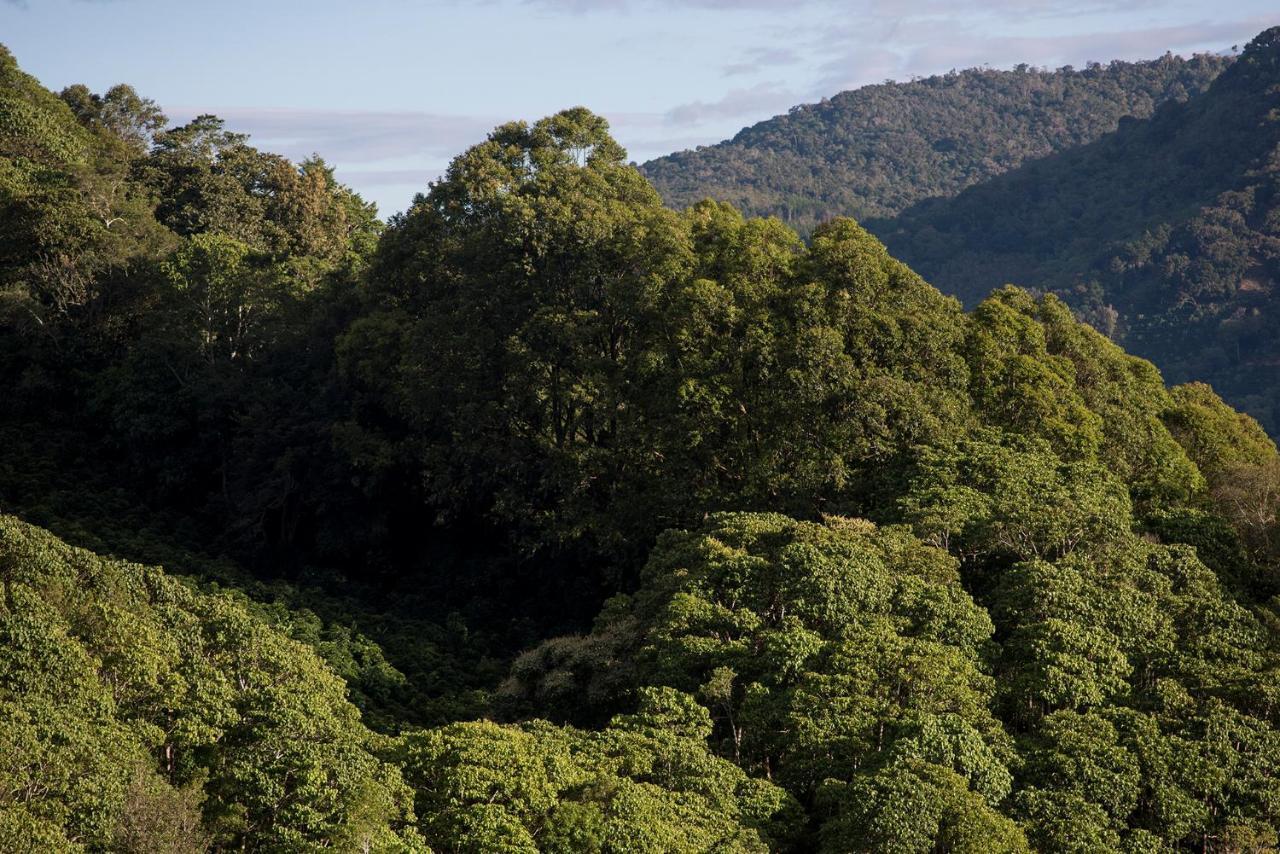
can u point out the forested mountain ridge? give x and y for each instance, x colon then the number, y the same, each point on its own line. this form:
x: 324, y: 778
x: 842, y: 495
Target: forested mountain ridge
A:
x: 877, y: 150
x: 1160, y: 231
x: 626, y: 529
x: 1165, y: 234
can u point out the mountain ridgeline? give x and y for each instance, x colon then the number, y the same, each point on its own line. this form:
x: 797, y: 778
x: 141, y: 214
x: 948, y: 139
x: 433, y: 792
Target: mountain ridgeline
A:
x: 1164, y: 234
x: 545, y: 517
x: 875, y: 151
x: 1155, y: 218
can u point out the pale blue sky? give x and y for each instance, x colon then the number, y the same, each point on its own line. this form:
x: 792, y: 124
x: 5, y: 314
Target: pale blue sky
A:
x: 389, y: 90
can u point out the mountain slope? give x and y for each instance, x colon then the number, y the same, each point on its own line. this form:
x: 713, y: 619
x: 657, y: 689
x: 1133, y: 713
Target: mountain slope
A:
x: 874, y: 151
x: 1165, y: 234
x: 868, y: 572
x: 139, y: 713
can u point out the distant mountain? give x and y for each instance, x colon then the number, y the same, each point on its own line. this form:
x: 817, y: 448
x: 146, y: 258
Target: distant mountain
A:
x: 875, y: 151
x: 1164, y: 234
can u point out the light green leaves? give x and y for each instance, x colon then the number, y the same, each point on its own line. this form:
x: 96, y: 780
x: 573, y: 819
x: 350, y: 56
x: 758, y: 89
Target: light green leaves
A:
x: 645, y: 783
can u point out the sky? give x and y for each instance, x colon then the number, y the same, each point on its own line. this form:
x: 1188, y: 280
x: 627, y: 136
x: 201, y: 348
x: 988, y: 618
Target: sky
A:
x: 388, y: 91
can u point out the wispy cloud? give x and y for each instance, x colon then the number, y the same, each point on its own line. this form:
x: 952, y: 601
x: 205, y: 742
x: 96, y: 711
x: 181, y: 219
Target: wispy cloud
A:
x: 930, y: 46
x: 761, y: 58
x: 418, y: 178
x: 360, y: 136
x: 586, y: 6
x: 876, y: 9
x: 736, y: 103
x: 24, y: 4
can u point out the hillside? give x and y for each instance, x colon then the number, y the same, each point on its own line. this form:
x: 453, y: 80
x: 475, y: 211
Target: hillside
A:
x: 140, y: 715
x: 877, y: 150
x: 547, y: 518
x: 1165, y: 234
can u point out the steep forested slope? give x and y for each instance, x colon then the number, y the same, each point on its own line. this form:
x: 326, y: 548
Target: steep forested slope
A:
x: 875, y: 151
x: 867, y: 572
x: 1165, y: 234
x: 139, y: 715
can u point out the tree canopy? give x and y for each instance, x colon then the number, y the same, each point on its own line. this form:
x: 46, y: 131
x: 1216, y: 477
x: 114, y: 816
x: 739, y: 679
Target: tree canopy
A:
x: 875, y: 151
x: 547, y: 518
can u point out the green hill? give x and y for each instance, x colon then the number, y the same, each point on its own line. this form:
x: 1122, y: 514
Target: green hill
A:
x: 141, y: 714
x: 877, y: 150
x: 1164, y: 234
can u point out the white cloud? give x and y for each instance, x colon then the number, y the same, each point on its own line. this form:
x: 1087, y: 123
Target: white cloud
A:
x: 736, y: 103
x: 358, y: 136
x: 761, y: 58
x: 878, y: 9
x: 418, y: 178
x: 930, y: 46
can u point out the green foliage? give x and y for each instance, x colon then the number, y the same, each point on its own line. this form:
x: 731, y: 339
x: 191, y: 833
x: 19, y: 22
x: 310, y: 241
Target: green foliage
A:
x: 1144, y: 194
x: 821, y: 652
x: 127, y: 697
x: 520, y: 282
x: 876, y: 574
x: 634, y: 366
x: 1163, y: 234
x: 644, y: 783
x: 120, y: 112
x: 877, y: 150
x: 1016, y: 498
x: 209, y: 180
x: 69, y: 216
x: 1216, y: 437
x: 911, y: 806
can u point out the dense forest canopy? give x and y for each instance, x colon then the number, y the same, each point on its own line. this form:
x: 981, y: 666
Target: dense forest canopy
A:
x: 546, y: 518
